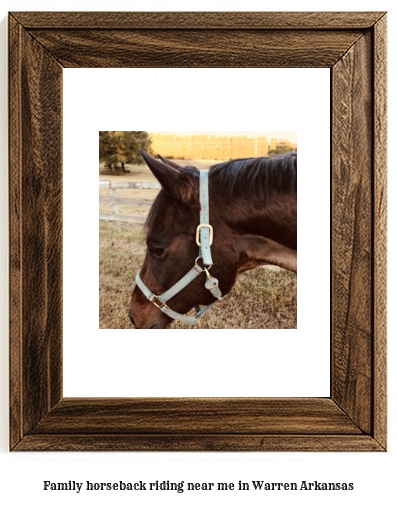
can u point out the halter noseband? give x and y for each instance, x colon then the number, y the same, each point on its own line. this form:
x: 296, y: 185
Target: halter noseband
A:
x: 204, y: 237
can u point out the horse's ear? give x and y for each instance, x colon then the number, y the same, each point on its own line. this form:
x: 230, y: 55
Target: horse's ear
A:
x: 169, y: 162
x: 171, y: 179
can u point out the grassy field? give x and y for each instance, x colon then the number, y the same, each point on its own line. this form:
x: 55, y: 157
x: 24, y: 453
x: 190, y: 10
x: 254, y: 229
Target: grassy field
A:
x: 261, y: 299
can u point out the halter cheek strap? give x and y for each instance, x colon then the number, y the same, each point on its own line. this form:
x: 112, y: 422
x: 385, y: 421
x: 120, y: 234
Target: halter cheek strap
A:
x: 204, y: 237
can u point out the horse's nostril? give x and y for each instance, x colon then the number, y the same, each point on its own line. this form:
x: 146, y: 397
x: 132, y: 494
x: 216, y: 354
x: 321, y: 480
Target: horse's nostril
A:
x: 131, y: 318
x: 154, y: 326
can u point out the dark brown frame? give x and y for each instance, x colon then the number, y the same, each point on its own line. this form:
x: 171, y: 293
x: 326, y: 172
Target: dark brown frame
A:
x: 353, y: 45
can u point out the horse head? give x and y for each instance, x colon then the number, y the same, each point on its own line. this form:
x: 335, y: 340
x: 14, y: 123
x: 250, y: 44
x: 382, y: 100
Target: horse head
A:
x: 172, y: 249
x: 252, y: 207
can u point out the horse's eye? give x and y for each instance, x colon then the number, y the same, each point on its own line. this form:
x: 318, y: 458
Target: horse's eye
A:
x: 156, y: 251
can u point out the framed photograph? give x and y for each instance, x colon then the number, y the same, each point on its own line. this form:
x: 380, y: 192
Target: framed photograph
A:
x: 353, y: 46
x: 247, y: 171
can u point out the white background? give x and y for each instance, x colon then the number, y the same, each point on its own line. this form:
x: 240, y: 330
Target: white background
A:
x: 373, y: 474
x: 196, y: 362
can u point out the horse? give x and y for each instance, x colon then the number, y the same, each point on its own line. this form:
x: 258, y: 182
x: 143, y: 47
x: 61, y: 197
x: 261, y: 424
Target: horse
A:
x: 252, y: 215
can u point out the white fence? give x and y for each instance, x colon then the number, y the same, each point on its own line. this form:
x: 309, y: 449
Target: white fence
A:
x: 115, y: 201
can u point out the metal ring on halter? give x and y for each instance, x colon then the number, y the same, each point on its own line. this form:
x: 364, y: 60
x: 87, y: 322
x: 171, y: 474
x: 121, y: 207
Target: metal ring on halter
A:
x: 206, y: 268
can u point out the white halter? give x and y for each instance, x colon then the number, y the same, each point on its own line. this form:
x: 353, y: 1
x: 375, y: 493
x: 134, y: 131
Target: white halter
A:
x: 204, y: 237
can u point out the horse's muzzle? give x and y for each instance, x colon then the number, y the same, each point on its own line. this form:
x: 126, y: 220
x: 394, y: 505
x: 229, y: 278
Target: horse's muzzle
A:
x: 144, y: 315
x: 131, y: 318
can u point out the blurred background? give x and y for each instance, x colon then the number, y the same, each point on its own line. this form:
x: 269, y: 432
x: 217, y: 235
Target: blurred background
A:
x: 119, y: 151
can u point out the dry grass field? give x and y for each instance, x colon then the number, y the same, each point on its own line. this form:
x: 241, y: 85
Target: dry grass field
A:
x: 261, y: 299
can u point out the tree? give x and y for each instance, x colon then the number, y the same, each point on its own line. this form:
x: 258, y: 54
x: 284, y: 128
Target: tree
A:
x: 281, y: 146
x: 273, y: 145
x: 117, y: 148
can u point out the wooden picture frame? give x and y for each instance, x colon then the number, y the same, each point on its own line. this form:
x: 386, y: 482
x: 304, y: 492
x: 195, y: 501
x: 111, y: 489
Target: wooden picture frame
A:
x: 353, y: 46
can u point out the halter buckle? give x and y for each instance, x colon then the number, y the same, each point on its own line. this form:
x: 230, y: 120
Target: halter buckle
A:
x: 199, y: 227
x: 157, y: 302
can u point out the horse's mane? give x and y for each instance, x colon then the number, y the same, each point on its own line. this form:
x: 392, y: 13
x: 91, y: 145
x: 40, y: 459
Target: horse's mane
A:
x: 257, y: 177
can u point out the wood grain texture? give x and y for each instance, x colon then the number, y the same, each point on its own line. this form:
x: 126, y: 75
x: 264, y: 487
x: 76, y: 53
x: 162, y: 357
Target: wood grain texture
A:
x: 15, y: 227
x: 199, y: 443
x: 353, y: 45
x: 352, y: 233
x: 196, y: 48
x: 36, y: 190
x: 202, y: 20
x: 173, y: 416
x: 42, y: 230
x: 380, y: 230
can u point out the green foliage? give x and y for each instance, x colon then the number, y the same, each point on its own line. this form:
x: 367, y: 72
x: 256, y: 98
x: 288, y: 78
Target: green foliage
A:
x: 279, y: 147
x: 117, y: 148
